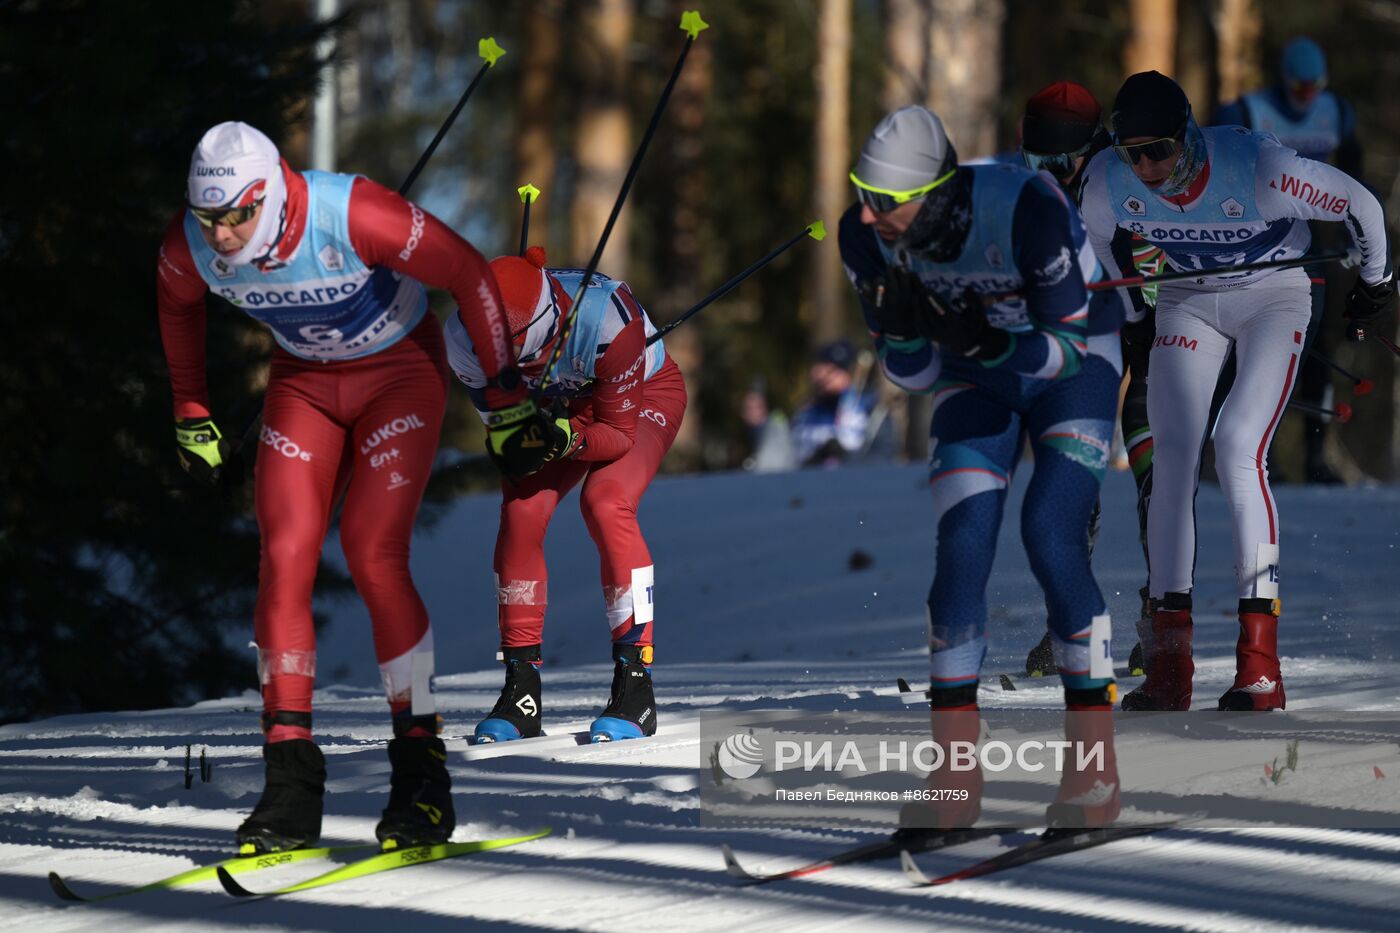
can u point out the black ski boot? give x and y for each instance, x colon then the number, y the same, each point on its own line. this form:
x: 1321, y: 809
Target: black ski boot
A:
x: 420, y: 809
x: 631, y: 713
x: 517, y: 713
x: 1041, y: 661
x: 288, y: 815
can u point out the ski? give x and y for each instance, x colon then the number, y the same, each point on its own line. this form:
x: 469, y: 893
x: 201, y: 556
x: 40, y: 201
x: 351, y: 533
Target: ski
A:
x: 1052, y: 843
x: 889, y: 847
x: 237, y: 865
x: 384, y: 861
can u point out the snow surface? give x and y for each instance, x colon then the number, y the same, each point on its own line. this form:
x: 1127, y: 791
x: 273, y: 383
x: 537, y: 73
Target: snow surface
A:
x: 758, y: 608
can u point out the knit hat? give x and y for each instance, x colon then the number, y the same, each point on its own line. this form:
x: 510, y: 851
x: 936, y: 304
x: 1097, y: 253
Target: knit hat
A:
x: 1060, y: 118
x: 533, y: 300
x: 1149, y: 104
x: 908, y: 149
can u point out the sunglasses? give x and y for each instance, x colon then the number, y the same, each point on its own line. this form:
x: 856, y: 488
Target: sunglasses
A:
x: 226, y: 216
x: 1155, y: 149
x: 882, y: 200
x: 1059, y: 164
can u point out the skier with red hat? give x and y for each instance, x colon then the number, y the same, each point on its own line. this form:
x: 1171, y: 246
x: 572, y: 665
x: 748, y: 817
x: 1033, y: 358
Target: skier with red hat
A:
x: 1062, y: 129
x: 334, y: 265
x: 621, y: 402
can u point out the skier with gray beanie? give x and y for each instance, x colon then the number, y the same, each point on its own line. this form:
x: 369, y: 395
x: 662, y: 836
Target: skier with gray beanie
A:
x: 972, y: 282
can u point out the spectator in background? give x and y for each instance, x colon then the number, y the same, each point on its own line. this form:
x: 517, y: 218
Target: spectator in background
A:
x: 770, y: 435
x: 840, y: 422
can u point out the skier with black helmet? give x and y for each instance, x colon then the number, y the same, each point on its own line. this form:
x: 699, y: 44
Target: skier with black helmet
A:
x: 1216, y: 198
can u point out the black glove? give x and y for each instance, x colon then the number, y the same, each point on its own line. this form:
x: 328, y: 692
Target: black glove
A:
x: 963, y: 329
x: 1364, y: 305
x: 1137, y: 344
x: 894, y: 299
x: 205, y: 453
x: 522, y: 439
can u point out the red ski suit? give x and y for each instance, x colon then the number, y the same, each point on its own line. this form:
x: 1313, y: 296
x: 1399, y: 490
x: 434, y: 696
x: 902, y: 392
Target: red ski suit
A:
x: 365, y: 427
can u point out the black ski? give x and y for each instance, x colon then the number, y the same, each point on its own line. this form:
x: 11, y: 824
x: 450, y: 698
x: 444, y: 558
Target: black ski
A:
x: 905, y: 840
x: 1051, y: 843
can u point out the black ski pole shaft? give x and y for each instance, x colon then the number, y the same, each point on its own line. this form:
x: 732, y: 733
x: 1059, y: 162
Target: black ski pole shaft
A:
x: 1342, y: 412
x: 1386, y: 342
x: 1332, y: 364
x: 816, y: 230
x: 528, y: 195
x: 1139, y: 281
x: 489, y: 52
x: 692, y: 24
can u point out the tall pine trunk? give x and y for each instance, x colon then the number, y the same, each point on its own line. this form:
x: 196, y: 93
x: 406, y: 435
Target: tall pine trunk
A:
x: 833, y: 143
x: 603, y: 138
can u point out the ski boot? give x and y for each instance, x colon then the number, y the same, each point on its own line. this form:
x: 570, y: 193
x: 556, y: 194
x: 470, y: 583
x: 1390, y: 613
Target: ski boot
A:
x: 631, y: 711
x: 288, y: 815
x: 1041, y: 661
x: 954, y: 717
x: 420, y: 811
x: 1137, y: 665
x: 518, y: 711
x: 1258, y: 681
x: 1169, y: 664
x: 1088, y: 798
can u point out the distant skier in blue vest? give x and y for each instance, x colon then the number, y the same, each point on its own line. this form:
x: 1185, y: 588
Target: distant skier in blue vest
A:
x: 1317, y: 123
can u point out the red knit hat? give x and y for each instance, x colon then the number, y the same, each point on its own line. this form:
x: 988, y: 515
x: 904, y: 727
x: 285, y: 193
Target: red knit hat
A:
x: 533, y: 300
x: 1060, y: 118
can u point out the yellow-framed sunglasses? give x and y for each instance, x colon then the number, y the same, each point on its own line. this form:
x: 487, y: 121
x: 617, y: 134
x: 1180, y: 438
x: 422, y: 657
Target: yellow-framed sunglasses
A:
x: 881, y: 200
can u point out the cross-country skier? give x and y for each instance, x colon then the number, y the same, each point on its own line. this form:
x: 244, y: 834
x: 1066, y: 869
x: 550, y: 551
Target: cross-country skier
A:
x: 1061, y: 131
x: 624, y: 403
x: 972, y: 282
x: 1212, y: 199
x: 332, y: 264
x: 1317, y: 123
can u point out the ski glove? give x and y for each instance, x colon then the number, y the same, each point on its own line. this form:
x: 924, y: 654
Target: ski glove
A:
x: 521, y: 439
x: 963, y: 330
x: 895, y: 300
x: 1364, y: 305
x: 204, y: 453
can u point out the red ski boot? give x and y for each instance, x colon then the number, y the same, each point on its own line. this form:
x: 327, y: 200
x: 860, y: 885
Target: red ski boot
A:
x: 1169, y: 664
x: 955, y: 795
x: 1258, y: 681
x: 1088, y: 796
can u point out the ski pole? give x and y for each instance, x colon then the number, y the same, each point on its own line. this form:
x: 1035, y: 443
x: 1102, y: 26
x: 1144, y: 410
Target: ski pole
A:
x: 692, y: 24
x: 1360, y: 386
x: 1140, y: 281
x: 816, y: 230
x: 1342, y: 412
x: 489, y: 52
x: 1386, y: 342
x: 528, y: 194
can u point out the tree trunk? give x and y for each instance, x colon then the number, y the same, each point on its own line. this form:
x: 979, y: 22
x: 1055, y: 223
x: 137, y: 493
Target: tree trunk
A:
x: 833, y: 143
x: 684, y: 259
x: 603, y: 139
x: 1151, y: 44
x: 534, y: 131
x: 964, y: 71
x: 906, y: 53
x: 1238, y: 31
x: 1196, y: 57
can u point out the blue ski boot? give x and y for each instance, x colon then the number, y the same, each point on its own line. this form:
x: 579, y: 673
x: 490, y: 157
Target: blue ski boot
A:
x: 517, y: 713
x: 631, y: 713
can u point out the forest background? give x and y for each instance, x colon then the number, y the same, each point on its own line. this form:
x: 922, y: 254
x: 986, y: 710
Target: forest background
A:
x: 122, y: 586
